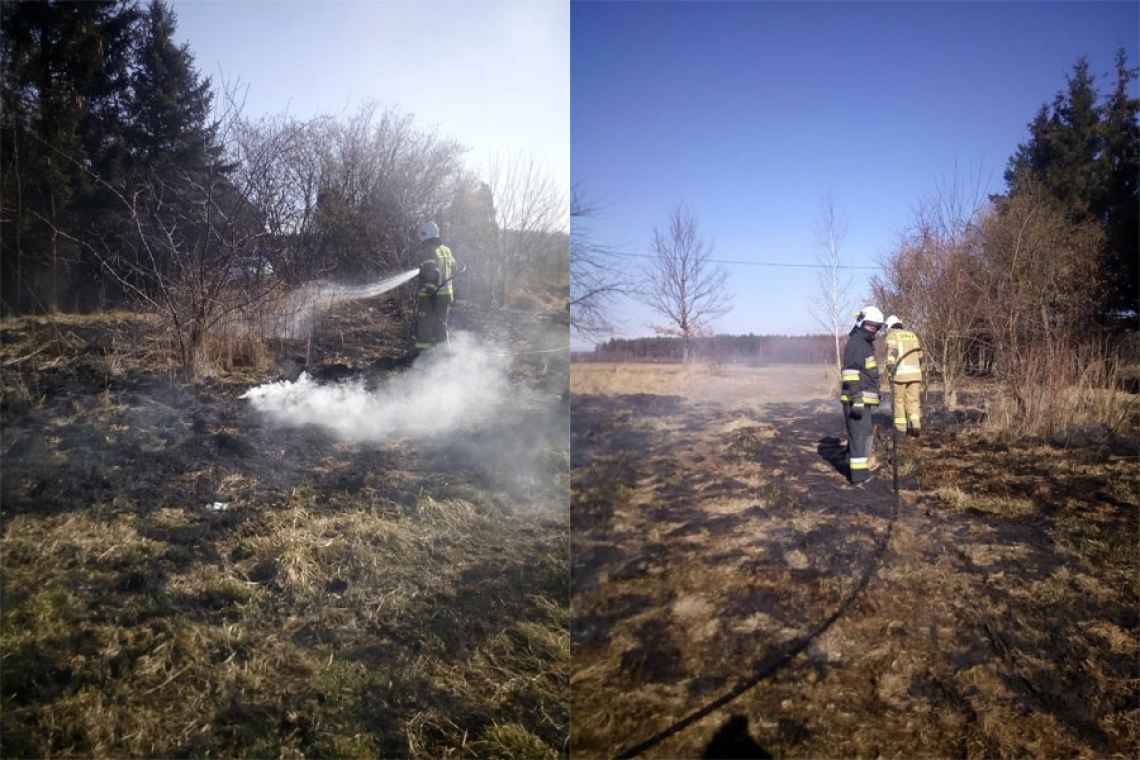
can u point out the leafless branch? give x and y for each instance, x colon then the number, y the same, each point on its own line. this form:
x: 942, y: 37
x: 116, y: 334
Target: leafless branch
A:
x: 684, y: 286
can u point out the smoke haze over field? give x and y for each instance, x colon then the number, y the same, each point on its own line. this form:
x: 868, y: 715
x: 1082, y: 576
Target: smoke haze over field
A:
x: 445, y: 390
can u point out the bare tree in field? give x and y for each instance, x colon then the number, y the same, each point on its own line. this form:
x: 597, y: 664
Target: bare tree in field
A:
x: 684, y: 286
x: 832, y: 304
x: 594, y: 280
x: 529, y: 208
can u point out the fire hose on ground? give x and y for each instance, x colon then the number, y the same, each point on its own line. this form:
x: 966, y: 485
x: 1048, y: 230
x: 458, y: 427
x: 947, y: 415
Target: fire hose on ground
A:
x: 786, y: 652
x: 894, y: 428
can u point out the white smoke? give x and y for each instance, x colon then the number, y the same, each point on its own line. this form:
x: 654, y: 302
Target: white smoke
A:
x: 448, y: 388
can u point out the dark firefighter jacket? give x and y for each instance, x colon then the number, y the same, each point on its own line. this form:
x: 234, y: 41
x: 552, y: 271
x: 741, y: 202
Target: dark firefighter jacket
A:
x: 860, y: 370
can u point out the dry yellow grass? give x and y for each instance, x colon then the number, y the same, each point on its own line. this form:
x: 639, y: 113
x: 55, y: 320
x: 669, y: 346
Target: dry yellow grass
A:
x: 182, y: 655
x: 725, y: 384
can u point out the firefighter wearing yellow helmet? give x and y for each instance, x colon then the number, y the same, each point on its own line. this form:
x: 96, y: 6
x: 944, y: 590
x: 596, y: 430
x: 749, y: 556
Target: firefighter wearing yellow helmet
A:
x: 904, y: 354
x: 437, y: 288
x: 860, y: 392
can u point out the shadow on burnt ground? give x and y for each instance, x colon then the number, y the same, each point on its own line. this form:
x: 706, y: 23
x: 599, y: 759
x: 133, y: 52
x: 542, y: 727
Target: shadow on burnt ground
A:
x: 612, y: 457
x: 732, y: 740
x: 1045, y: 644
x: 711, y: 498
x: 1022, y: 607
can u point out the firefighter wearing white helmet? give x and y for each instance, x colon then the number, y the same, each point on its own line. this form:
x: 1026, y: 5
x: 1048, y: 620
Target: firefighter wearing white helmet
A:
x: 437, y: 287
x: 860, y: 392
x: 904, y: 354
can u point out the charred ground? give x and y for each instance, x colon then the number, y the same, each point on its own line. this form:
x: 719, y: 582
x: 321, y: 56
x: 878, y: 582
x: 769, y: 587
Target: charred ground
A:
x: 402, y: 598
x: 712, y: 535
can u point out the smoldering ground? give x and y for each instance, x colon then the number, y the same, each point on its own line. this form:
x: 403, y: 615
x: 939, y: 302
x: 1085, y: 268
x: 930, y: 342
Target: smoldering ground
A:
x: 392, y: 593
x: 456, y: 402
x: 449, y: 388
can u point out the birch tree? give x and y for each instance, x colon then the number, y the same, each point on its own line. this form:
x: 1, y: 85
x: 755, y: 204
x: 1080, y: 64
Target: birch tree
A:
x: 832, y: 305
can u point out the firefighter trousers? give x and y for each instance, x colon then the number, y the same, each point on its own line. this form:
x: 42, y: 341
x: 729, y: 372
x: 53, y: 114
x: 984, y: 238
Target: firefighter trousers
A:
x: 431, y: 319
x: 860, y: 437
x: 907, y: 401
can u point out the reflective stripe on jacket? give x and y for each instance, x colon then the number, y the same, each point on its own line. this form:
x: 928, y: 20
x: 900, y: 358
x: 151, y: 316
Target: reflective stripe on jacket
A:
x: 899, y: 344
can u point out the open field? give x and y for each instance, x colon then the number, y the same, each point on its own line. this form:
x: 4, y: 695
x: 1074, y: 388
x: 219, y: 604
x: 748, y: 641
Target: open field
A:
x: 399, y: 597
x: 717, y: 551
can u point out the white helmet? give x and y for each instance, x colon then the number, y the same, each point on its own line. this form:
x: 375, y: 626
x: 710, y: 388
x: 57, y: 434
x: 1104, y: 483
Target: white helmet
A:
x: 428, y: 230
x: 893, y: 321
x: 869, y: 314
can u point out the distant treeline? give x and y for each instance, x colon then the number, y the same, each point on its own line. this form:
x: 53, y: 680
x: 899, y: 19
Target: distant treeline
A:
x: 735, y: 349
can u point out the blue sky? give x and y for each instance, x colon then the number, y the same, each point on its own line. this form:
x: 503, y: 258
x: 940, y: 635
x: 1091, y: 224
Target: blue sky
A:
x: 751, y: 113
x: 494, y: 74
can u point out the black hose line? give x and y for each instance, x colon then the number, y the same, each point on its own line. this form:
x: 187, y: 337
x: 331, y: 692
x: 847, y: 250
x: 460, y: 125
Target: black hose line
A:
x: 784, y: 654
x: 894, y: 428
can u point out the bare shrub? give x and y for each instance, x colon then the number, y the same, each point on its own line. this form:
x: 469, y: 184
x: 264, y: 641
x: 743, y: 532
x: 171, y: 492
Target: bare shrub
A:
x: 1039, y: 275
x: 529, y: 210
x: 595, y: 281
x: 1009, y: 290
x: 931, y: 280
x: 1065, y: 393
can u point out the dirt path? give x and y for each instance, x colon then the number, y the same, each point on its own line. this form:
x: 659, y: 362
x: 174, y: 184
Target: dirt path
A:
x: 712, y: 537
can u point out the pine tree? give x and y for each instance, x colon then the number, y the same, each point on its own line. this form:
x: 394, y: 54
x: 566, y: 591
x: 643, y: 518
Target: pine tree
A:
x: 1032, y: 158
x: 472, y: 232
x: 1118, y: 200
x: 1063, y: 147
x: 1076, y: 143
x: 170, y: 104
x: 1087, y: 156
x: 63, y: 86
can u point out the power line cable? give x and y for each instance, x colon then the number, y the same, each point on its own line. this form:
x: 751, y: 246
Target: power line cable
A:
x: 742, y: 262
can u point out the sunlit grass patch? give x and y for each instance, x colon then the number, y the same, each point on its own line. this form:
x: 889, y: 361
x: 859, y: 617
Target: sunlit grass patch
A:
x: 1006, y: 507
x: 165, y: 632
x: 47, y: 546
x: 232, y: 686
x: 512, y: 742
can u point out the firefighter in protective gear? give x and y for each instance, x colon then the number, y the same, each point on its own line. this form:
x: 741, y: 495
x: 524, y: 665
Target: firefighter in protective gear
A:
x: 904, y: 354
x: 860, y: 392
x: 437, y: 288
